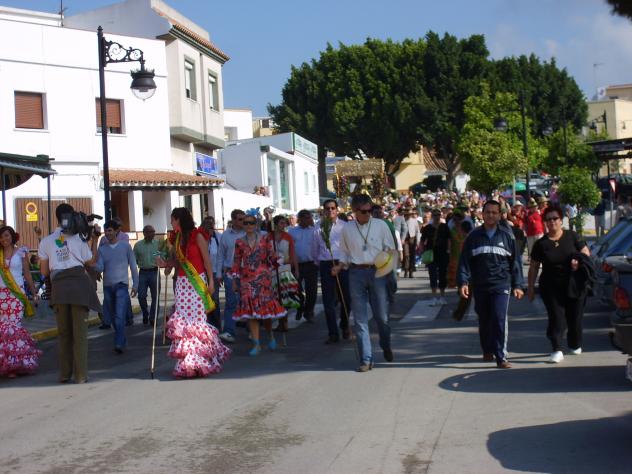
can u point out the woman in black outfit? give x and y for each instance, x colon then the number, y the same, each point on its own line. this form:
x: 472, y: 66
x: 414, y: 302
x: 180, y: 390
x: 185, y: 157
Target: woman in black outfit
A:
x: 436, y: 236
x: 556, y: 251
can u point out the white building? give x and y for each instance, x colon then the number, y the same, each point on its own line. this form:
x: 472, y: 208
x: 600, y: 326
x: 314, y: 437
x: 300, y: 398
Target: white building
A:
x: 49, y: 90
x: 195, y: 86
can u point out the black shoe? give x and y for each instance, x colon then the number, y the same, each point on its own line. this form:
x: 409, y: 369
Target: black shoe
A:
x: 118, y: 350
x: 346, y: 333
x: 332, y: 340
x: 151, y: 321
x: 145, y: 321
x: 129, y: 323
x: 105, y: 326
x: 298, y: 316
x: 388, y: 355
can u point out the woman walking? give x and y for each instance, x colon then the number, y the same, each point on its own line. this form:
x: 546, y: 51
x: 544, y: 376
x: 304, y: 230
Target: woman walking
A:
x: 18, y: 354
x: 436, y: 237
x: 253, y: 266
x: 214, y: 238
x: 194, y: 342
x: 559, y: 253
x: 290, y: 292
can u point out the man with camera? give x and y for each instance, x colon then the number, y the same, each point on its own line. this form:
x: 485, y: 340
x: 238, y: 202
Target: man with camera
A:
x: 64, y: 255
x: 114, y: 259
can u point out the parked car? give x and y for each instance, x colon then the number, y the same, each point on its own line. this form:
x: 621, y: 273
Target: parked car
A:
x: 623, y: 185
x: 622, y: 315
x: 605, y: 252
x: 419, y: 188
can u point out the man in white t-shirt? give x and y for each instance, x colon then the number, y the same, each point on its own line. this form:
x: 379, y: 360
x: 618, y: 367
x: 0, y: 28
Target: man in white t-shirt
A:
x: 63, y: 257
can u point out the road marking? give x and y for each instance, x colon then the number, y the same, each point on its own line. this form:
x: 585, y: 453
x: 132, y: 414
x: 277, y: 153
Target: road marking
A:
x: 422, y: 311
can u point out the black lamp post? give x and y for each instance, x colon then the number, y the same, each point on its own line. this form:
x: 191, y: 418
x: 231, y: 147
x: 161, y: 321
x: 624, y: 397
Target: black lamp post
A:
x: 500, y: 124
x: 143, y: 87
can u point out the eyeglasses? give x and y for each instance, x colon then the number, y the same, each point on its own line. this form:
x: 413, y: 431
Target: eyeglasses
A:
x: 551, y: 219
x: 249, y: 222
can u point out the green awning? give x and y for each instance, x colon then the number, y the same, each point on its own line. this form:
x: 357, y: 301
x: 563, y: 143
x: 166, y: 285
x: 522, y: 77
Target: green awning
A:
x: 19, y: 168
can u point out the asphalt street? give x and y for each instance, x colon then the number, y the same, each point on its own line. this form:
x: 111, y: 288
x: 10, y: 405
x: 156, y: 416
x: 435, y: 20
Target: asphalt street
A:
x: 437, y: 408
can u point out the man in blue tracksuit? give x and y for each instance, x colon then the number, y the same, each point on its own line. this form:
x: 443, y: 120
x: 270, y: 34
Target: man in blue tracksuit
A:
x: 490, y: 268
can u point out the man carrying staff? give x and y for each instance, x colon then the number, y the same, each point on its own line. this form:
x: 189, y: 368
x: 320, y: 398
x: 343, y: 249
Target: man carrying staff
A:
x: 304, y: 235
x: 145, y: 252
x: 491, y: 265
x: 329, y: 286
x: 362, y: 242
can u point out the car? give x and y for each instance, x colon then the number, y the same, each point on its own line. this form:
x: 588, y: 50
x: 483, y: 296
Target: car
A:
x: 419, y: 188
x: 623, y: 185
x: 605, y: 253
x: 621, y: 317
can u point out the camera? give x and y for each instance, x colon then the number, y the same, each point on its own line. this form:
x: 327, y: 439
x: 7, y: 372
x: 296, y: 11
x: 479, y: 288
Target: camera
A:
x: 80, y: 223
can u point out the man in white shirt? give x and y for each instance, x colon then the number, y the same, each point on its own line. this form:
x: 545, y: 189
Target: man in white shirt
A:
x: 411, y: 242
x: 360, y: 243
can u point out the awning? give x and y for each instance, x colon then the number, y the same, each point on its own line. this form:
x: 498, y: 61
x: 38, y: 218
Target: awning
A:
x: 611, y: 149
x: 161, y: 180
x: 17, y: 169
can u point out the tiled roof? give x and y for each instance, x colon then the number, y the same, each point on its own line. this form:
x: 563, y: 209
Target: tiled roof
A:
x: 194, y: 36
x: 432, y: 163
x: 147, y: 179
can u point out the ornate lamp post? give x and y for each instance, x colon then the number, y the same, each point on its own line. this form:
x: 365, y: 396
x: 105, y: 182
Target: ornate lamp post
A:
x: 143, y: 87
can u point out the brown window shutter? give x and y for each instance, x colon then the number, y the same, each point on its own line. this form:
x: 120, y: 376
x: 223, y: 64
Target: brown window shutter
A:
x: 113, y: 111
x: 28, y: 110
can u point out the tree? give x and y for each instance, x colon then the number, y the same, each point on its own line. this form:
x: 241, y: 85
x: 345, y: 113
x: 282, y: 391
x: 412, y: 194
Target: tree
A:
x: 552, y: 97
x: 578, y: 188
x: 569, y: 150
x: 621, y: 7
x: 365, y: 100
x: 493, y: 158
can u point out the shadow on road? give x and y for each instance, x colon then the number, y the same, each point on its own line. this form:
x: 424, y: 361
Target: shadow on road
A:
x: 599, y: 445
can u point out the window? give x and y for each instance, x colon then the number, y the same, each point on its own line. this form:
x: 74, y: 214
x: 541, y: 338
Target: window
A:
x: 213, y: 94
x: 305, y: 183
x: 113, y: 115
x: 265, y: 123
x: 189, y: 79
x: 29, y: 110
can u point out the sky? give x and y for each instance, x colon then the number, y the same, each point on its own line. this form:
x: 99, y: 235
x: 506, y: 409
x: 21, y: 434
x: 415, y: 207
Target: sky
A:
x: 265, y: 38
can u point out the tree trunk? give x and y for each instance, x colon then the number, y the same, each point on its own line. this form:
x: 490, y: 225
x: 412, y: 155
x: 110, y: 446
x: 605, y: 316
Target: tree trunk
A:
x: 322, y: 171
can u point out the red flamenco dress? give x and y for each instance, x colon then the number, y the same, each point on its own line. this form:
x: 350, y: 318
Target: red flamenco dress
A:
x: 194, y: 342
x: 254, y: 267
x: 18, y: 354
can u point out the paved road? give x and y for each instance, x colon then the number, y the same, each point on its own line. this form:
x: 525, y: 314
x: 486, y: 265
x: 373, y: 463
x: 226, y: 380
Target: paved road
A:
x: 437, y: 408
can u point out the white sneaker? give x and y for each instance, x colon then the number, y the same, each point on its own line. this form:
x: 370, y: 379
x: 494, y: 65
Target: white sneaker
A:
x: 575, y: 352
x: 227, y: 337
x: 556, y: 357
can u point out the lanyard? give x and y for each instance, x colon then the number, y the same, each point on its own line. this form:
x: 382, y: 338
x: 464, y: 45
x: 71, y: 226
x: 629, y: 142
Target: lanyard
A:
x: 365, y: 239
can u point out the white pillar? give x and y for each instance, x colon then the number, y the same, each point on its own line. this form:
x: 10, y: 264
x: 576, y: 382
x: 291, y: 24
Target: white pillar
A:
x: 135, y: 204
x: 196, y: 208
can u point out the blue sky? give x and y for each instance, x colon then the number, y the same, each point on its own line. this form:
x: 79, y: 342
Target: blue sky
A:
x: 264, y: 38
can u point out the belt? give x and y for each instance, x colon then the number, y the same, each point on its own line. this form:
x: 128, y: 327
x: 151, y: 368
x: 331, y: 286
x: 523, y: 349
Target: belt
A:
x: 362, y: 265
x: 149, y: 269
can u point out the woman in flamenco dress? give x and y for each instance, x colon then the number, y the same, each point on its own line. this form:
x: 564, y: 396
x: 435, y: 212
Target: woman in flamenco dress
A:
x: 18, y: 354
x: 194, y: 342
x: 252, y: 270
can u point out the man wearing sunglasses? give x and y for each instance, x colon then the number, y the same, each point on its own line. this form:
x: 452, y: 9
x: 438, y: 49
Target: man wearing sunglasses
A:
x: 360, y: 244
x: 328, y: 284
x: 225, y: 255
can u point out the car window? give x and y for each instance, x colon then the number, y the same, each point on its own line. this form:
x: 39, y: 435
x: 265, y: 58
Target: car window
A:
x: 619, y: 244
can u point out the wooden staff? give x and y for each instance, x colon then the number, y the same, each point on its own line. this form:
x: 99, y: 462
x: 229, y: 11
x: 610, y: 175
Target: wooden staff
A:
x: 164, y: 317
x: 153, y: 339
x: 346, y: 310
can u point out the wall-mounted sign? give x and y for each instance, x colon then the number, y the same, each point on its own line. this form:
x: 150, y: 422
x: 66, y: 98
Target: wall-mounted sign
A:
x: 206, y: 164
x: 31, y: 212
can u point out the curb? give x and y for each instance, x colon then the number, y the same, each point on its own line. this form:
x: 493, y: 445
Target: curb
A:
x: 53, y: 332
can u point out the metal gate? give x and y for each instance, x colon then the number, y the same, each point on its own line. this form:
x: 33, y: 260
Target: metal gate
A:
x: 32, y: 213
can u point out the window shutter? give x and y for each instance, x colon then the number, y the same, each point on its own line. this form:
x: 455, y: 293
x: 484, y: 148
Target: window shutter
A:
x: 113, y: 111
x: 28, y: 110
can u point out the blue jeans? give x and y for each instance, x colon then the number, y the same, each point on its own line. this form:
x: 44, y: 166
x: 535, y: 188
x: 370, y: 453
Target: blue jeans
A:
x: 147, y: 279
x: 232, y: 300
x: 331, y: 294
x: 115, y: 302
x: 364, y: 287
x: 491, y: 309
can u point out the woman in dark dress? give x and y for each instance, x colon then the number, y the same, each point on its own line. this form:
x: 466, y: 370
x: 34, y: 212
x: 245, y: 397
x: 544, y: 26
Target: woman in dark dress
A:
x: 436, y: 236
x: 556, y: 252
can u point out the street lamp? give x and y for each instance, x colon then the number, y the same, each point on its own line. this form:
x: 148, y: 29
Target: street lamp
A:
x: 143, y: 87
x: 500, y: 124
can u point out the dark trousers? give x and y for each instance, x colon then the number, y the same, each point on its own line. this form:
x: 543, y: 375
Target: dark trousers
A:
x: 331, y: 294
x: 491, y: 309
x: 148, y: 280
x: 410, y: 253
x: 215, y: 317
x: 308, y: 279
x: 563, y: 313
x: 438, y: 270
x: 72, y: 326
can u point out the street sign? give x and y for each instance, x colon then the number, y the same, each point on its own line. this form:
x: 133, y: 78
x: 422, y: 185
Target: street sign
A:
x: 31, y: 212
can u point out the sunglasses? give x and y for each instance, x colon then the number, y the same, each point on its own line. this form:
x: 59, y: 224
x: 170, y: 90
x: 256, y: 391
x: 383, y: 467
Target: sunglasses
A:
x: 330, y: 208
x: 249, y: 222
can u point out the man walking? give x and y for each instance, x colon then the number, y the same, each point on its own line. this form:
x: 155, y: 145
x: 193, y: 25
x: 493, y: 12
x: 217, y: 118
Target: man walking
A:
x: 490, y: 268
x: 304, y: 235
x: 226, y: 255
x: 115, y: 257
x: 361, y: 242
x: 145, y: 253
x: 63, y: 257
x: 412, y: 242
x: 331, y: 292
x: 399, y: 223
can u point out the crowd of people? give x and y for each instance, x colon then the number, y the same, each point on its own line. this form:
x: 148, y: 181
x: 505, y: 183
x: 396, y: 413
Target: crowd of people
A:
x: 270, y: 268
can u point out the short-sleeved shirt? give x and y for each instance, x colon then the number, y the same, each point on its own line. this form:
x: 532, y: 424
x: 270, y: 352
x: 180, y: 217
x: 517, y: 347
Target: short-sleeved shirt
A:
x: 556, y: 259
x: 64, y: 251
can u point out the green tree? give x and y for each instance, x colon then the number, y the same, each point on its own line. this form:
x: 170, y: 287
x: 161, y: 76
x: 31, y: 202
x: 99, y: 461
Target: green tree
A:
x: 578, y: 188
x: 493, y: 158
x: 621, y: 7
x: 571, y: 150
